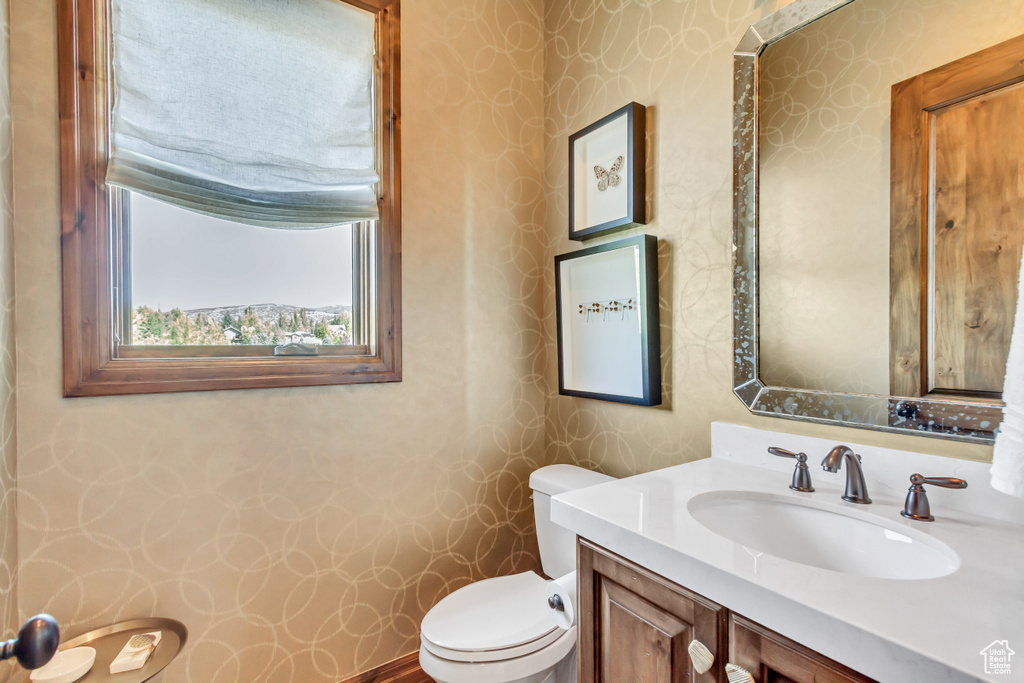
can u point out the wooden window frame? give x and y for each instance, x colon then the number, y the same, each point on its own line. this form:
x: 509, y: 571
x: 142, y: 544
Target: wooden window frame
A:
x: 94, y: 363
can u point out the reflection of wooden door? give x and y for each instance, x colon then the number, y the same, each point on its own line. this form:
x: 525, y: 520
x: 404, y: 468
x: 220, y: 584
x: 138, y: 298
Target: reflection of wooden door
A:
x: 976, y: 190
x: 957, y: 228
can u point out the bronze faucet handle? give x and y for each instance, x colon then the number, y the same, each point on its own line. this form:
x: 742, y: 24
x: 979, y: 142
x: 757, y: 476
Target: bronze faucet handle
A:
x: 801, y: 475
x: 944, y: 482
x: 775, y: 450
x: 917, y: 506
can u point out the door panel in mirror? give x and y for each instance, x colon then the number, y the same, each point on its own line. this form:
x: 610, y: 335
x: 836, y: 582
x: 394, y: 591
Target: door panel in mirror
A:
x: 823, y: 162
x: 812, y: 303
x: 956, y: 244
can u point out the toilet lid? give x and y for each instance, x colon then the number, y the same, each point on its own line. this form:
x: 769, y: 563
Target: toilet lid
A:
x: 492, y: 614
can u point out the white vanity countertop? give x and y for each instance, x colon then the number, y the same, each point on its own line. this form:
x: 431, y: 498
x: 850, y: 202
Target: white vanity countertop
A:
x: 899, y: 631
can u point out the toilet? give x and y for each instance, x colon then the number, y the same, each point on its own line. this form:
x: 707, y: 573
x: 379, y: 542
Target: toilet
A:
x: 501, y: 630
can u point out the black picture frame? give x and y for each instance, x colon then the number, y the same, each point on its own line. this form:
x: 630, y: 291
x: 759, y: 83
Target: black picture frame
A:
x: 583, y: 177
x: 596, y: 359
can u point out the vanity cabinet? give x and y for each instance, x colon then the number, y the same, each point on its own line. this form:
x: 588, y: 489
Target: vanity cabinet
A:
x: 636, y: 627
x: 774, y: 659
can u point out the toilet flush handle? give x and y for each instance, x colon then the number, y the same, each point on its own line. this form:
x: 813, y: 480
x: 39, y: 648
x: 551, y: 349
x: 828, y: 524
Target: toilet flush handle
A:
x: 555, y: 603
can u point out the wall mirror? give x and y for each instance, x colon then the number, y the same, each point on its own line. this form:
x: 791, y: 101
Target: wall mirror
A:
x: 879, y: 212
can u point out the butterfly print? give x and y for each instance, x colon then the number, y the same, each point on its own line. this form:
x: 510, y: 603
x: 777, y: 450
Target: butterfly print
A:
x: 609, y: 177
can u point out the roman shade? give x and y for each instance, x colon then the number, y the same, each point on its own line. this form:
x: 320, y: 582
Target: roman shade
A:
x: 256, y: 112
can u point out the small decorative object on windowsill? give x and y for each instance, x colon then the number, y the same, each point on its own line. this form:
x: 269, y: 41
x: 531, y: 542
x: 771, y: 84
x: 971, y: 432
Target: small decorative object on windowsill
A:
x: 607, y: 174
x: 297, y: 350
x: 608, y: 322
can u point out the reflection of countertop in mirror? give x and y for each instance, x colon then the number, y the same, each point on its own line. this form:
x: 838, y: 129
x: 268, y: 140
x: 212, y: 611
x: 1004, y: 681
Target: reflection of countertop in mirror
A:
x: 924, y: 630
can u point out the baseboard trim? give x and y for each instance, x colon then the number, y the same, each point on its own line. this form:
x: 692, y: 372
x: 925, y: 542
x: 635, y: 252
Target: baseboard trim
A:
x: 403, y: 670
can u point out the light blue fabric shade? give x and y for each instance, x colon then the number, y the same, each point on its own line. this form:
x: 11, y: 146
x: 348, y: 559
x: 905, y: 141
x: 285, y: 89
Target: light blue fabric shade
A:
x: 260, y: 113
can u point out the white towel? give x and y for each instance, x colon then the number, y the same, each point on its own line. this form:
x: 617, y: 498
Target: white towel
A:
x: 1008, y: 455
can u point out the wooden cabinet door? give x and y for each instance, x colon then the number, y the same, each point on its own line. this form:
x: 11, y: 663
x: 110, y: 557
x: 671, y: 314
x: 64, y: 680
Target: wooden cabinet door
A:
x: 774, y: 659
x: 635, y: 626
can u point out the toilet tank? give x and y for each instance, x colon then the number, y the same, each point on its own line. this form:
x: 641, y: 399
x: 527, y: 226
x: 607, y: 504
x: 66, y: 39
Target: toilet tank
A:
x: 558, y: 544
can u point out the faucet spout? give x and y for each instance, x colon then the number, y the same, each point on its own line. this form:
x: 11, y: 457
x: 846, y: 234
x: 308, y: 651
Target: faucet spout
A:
x: 856, y: 488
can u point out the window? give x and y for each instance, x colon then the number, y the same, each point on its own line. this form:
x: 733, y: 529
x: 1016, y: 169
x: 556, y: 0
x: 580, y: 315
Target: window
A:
x: 196, y: 280
x: 178, y: 278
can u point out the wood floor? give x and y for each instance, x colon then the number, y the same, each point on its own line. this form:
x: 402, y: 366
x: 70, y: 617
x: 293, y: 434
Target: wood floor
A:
x: 403, y: 670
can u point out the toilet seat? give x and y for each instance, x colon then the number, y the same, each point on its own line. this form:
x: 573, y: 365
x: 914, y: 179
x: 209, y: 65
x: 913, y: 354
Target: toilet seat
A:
x: 492, y: 655
x: 491, y: 620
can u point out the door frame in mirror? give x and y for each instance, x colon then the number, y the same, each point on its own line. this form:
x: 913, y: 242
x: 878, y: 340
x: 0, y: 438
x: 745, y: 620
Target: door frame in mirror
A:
x: 955, y: 418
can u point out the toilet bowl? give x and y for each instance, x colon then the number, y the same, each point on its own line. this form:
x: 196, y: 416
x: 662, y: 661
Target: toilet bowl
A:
x: 501, y: 630
x: 494, y: 631
x: 532, y: 668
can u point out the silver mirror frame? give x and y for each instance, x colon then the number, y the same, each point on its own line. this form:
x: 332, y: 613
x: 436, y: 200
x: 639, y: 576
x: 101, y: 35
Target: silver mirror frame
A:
x: 968, y: 420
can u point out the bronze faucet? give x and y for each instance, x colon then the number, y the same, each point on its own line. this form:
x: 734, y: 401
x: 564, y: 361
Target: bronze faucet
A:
x: 856, y: 489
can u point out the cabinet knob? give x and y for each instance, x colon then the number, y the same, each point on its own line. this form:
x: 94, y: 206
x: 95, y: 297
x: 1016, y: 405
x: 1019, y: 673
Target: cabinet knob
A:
x: 700, y: 657
x: 737, y: 674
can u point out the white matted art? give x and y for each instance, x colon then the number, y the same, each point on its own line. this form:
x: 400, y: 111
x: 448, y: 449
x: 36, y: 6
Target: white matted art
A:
x: 607, y: 174
x: 608, y: 341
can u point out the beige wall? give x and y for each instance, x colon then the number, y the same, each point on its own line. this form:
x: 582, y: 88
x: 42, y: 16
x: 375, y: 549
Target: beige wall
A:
x: 8, y: 442
x: 675, y: 58
x: 824, y: 203
x: 301, y: 534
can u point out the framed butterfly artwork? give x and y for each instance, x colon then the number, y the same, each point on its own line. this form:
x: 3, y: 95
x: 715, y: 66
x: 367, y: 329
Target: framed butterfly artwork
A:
x: 607, y: 188
x: 608, y: 324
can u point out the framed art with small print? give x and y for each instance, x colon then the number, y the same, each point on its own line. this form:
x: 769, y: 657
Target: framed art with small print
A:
x: 607, y: 189
x: 607, y: 322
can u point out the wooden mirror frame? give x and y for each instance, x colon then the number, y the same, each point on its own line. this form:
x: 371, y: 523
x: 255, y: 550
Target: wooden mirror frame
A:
x: 950, y: 418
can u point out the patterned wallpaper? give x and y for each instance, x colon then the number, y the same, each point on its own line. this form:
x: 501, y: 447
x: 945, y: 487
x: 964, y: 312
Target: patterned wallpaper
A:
x: 825, y: 179
x: 675, y: 58
x: 301, y: 534
x: 8, y: 443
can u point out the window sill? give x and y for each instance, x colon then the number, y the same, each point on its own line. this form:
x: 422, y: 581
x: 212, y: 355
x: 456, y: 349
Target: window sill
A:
x: 141, y: 352
x: 121, y: 376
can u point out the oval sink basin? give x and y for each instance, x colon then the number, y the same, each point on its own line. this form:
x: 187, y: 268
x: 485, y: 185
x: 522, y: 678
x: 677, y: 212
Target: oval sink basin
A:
x: 823, y: 536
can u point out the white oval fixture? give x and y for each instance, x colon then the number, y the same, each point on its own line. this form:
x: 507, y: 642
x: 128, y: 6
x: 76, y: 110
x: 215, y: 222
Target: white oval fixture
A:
x: 824, y: 536
x: 66, y: 666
